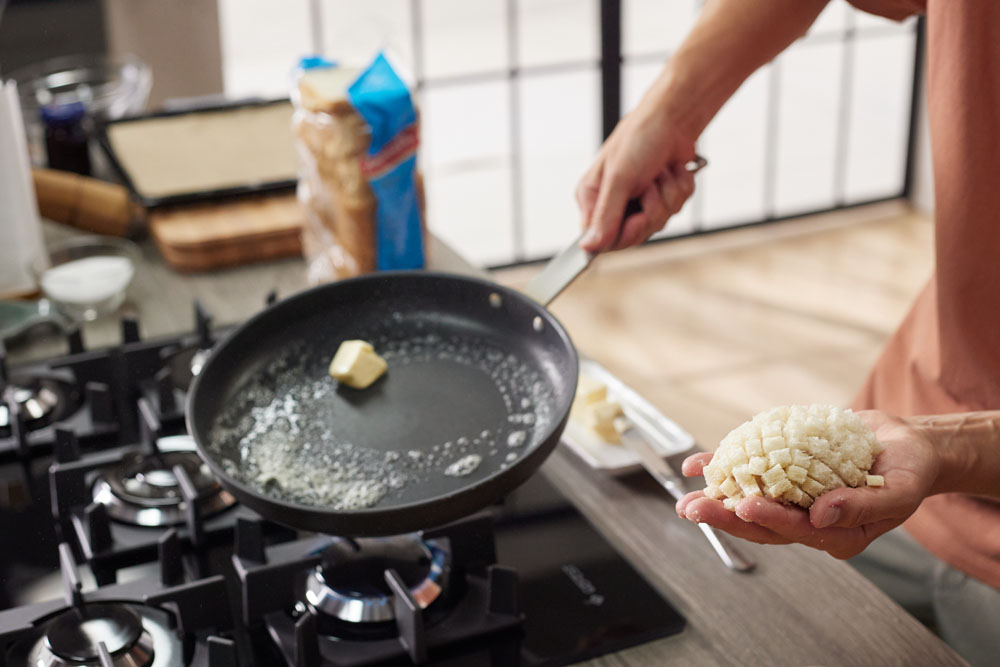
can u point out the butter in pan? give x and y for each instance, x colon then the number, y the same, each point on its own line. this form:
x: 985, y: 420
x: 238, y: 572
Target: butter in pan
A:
x: 177, y: 157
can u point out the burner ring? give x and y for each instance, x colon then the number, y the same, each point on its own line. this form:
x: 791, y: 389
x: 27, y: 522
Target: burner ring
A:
x: 324, y: 596
x: 75, y: 634
x: 43, y: 399
x: 143, y: 491
x: 156, y: 645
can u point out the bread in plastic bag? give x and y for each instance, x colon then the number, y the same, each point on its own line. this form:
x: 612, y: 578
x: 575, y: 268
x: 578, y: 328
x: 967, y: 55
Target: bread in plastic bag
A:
x: 356, y: 136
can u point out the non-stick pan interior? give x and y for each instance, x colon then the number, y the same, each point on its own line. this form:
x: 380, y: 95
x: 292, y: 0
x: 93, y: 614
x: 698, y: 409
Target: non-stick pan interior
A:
x: 479, y: 379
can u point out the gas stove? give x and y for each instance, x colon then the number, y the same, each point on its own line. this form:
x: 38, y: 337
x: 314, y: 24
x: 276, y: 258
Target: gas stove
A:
x: 94, y: 393
x: 98, y: 473
x: 159, y: 621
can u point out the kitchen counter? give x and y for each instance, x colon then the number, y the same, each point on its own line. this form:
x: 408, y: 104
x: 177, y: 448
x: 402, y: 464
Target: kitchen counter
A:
x: 799, y: 607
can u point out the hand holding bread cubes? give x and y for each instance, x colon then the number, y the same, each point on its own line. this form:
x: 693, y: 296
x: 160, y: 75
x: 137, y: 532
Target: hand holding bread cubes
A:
x: 826, y: 462
x: 794, y: 455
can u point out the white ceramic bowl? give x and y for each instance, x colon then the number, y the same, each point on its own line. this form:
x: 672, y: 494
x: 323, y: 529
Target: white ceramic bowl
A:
x: 88, y: 277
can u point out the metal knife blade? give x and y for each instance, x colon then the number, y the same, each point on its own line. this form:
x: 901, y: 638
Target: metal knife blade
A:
x: 661, y: 471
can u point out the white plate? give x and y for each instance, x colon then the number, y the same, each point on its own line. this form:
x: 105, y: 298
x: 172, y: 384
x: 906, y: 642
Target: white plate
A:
x: 662, y: 433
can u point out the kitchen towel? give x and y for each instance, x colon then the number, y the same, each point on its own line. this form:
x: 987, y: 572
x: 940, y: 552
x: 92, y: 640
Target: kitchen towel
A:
x: 21, y: 245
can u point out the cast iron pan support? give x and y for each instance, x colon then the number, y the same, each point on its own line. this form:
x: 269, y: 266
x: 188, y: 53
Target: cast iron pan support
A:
x: 306, y: 641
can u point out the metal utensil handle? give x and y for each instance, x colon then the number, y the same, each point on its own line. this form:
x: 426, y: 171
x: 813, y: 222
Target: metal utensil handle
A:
x: 729, y: 554
x: 634, y: 438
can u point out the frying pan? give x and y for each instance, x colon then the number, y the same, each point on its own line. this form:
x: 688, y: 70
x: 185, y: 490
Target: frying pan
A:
x: 475, y: 370
x: 477, y: 394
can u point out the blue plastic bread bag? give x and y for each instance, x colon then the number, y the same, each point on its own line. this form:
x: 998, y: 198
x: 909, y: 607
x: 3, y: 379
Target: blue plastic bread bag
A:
x: 357, y: 139
x: 383, y: 100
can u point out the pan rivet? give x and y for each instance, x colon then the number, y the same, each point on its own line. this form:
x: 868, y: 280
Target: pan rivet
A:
x: 537, y: 323
x: 496, y: 300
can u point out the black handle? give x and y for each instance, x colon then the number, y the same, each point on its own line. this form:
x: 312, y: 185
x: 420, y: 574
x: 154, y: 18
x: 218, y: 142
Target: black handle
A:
x: 632, y: 207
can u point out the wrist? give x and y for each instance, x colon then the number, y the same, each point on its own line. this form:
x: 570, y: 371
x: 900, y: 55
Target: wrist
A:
x: 677, y: 102
x: 966, y: 447
x: 685, y: 97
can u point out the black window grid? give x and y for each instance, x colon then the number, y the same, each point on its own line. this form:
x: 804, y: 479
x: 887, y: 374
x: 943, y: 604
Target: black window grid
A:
x: 611, y: 62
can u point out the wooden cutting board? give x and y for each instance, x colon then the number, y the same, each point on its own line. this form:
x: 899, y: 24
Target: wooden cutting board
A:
x: 202, y: 237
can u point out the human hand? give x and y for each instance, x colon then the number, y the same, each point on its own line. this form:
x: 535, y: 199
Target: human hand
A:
x: 844, y: 521
x: 644, y: 158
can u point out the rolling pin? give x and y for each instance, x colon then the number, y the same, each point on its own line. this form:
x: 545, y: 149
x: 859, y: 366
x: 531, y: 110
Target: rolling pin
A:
x: 86, y: 203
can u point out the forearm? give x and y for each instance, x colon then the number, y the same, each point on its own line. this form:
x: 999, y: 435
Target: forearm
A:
x: 731, y: 39
x: 968, y: 449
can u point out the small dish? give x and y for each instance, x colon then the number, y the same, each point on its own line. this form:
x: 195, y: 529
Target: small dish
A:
x: 88, y: 277
x: 665, y: 436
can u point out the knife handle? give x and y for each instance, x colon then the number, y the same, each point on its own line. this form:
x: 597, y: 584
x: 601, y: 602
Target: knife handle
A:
x: 729, y: 554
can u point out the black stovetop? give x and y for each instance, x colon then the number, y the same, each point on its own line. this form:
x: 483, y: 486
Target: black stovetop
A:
x: 573, y: 596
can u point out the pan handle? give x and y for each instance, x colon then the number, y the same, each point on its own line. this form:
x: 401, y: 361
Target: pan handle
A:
x: 563, y: 269
x: 634, y: 205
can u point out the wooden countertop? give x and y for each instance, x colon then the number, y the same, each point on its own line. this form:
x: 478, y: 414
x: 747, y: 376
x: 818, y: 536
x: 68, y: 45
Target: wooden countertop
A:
x: 799, y: 607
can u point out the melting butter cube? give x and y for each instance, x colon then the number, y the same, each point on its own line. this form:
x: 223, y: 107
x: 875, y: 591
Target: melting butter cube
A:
x: 356, y: 364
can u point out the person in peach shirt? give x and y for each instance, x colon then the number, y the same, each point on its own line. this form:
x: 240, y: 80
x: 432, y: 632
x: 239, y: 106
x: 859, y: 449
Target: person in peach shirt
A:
x: 933, y: 397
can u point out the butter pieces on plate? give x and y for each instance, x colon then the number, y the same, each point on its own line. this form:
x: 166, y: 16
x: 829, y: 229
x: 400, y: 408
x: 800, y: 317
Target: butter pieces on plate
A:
x: 590, y: 432
x: 592, y: 409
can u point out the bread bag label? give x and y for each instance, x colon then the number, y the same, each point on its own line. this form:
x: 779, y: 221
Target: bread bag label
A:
x: 383, y: 100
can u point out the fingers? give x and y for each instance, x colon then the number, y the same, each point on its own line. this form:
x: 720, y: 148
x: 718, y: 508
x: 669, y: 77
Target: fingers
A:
x: 586, y: 191
x: 604, y: 192
x: 685, y: 500
x: 640, y: 226
x: 633, y: 231
x: 766, y: 521
x: 676, y: 185
x: 662, y: 199
x: 707, y: 510
x: 694, y: 464
x: 606, y: 219
x: 793, y: 524
x: 790, y: 522
x: 848, y: 508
